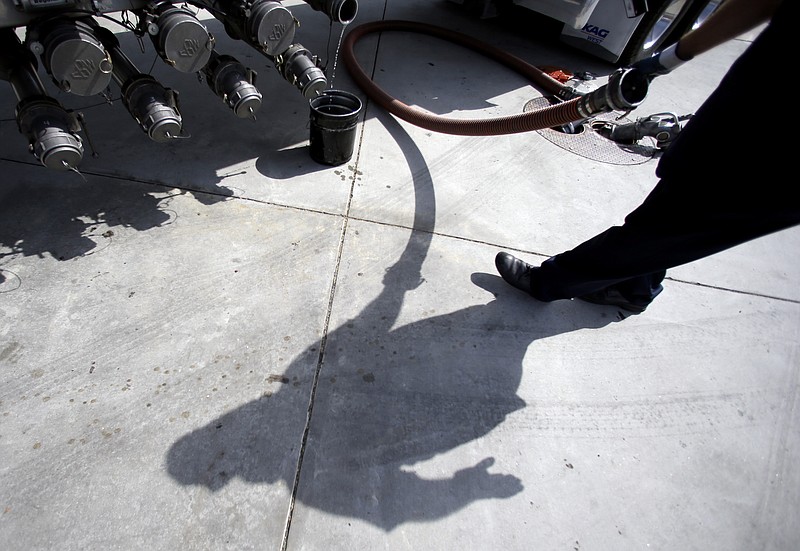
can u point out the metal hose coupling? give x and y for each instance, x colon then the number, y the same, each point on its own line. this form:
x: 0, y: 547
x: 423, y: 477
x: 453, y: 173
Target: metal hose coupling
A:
x: 339, y: 11
x: 234, y: 84
x: 72, y: 54
x: 270, y: 26
x: 266, y: 25
x: 180, y: 39
x: 299, y: 67
x: 154, y: 107
x: 52, y: 132
x: 626, y: 89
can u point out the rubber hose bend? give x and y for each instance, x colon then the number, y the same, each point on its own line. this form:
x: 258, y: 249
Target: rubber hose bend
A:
x: 546, y: 117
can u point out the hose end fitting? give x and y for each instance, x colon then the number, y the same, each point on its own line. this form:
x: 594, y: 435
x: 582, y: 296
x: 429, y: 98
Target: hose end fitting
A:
x: 626, y: 90
x: 339, y: 11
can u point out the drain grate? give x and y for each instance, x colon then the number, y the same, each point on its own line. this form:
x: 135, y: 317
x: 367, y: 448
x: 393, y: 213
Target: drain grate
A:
x: 588, y: 143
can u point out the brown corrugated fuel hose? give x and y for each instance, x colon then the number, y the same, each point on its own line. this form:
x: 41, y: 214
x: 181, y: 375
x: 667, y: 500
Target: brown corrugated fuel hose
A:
x: 573, y: 109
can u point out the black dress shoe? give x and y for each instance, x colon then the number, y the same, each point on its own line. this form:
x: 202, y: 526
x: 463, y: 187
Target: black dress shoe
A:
x: 612, y: 297
x: 515, y: 271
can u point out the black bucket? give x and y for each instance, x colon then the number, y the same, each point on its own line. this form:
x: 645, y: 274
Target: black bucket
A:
x: 334, y: 115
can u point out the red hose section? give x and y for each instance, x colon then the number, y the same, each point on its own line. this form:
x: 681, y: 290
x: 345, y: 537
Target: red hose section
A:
x: 546, y: 117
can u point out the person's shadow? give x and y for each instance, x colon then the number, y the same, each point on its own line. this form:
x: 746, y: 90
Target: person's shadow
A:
x: 384, y: 399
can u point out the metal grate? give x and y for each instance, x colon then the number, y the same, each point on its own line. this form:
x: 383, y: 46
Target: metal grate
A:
x: 588, y: 143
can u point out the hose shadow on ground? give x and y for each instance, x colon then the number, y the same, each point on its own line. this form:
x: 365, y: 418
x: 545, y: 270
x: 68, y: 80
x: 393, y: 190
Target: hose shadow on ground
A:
x: 387, y: 399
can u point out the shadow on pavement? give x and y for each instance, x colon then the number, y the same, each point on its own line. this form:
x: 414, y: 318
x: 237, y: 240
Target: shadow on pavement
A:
x: 386, y: 399
x: 69, y: 218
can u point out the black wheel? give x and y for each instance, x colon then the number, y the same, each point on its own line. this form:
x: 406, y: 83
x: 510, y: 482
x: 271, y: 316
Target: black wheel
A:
x: 663, y: 24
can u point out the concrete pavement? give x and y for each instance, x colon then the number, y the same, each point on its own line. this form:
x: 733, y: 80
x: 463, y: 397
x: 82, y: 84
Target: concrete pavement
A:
x: 218, y: 343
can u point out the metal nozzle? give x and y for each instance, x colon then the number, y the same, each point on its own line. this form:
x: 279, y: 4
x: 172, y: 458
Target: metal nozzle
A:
x: 664, y: 127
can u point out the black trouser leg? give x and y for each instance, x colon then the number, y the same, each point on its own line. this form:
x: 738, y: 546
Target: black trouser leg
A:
x: 675, y: 225
x: 725, y: 180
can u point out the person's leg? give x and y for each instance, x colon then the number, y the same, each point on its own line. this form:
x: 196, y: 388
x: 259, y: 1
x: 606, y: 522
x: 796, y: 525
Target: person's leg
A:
x: 679, y: 222
x: 634, y: 294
